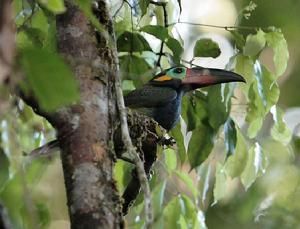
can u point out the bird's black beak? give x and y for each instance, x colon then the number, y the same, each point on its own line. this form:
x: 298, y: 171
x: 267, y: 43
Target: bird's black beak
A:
x: 198, y: 77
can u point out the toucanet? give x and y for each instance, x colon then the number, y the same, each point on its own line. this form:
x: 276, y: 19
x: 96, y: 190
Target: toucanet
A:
x: 161, y: 97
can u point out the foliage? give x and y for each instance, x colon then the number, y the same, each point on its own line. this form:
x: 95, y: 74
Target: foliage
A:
x: 213, y: 156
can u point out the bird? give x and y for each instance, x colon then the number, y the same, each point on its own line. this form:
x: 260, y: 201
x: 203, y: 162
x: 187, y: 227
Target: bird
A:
x: 161, y: 97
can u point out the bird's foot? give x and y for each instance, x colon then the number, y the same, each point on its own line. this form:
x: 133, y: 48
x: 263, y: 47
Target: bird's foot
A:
x: 167, y: 141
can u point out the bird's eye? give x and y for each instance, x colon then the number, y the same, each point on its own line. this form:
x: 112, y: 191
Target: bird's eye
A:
x: 178, y: 70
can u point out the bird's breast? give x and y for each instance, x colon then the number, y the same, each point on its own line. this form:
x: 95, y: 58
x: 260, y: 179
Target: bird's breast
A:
x: 168, y: 114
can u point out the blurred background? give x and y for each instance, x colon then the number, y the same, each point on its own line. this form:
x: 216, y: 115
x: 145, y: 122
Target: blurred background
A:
x: 273, y: 200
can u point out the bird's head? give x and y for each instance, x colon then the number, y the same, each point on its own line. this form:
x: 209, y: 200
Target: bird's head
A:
x: 192, y: 78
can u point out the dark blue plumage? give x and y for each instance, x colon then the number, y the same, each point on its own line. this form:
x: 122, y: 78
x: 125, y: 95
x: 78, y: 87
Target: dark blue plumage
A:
x: 168, y: 115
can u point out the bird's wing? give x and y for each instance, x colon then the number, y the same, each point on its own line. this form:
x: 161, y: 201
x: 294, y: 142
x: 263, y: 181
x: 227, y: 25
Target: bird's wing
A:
x: 149, y: 96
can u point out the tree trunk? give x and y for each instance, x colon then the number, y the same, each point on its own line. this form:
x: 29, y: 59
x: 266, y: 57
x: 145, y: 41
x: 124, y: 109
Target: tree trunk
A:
x: 85, y: 130
x: 86, y: 153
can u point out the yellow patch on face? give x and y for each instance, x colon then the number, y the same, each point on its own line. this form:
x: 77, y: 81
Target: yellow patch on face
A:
x: 163, y: 78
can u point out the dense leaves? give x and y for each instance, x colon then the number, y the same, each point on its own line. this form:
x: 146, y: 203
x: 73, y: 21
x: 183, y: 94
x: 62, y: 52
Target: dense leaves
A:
x: 135, y: 68
x: 216, y: 151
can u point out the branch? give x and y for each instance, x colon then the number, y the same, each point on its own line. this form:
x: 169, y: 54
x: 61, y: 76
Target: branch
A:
x: 7, y: 47
x: 132, y: 153
x: 45, y: 150
x: 7, y: 37
x: 228, y: 28
x: 163, y: 5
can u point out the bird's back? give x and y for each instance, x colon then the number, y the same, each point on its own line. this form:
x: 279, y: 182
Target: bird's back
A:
x: 160, y: 103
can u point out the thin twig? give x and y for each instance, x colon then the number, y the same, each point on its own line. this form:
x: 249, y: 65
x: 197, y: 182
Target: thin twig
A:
x: 130, y: 149
x: 118, y: 10
x: 163, y: 4
x: 228, y: 28
x: 45, y: 150
x: 158, y: 3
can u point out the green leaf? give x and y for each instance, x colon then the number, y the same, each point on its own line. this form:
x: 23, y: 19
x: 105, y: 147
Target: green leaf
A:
x: 43, y: 214
x: 170, y: 159
x: 182, y: 223
x: 175, y: 47
x: 124, y: 24
x: 171, y: 213
x: 135, y: 68
x: 277, y: 42
x: 206, y: 48
x: 239, y: 39
x: 235, y: 164
x: 218, y: 98
x: 205, y: 174
x: 280, y: 131
x: 230, y: 136
x: 190, y: 211
x: 200, y: 145
x: 55, y: 6
x: 187, y: 180
x: 37, y: 36
x: 50, y: 79
x: 45, y: 26
x: 127, y: 85
x: 179, y: 138
x: 122, y: 170
x: 158, y: 197
x: 24, y: 40
x: 245, y: 67
x: 158, y: 31
x: 220, y: 183
x: 255, y: 44
x: 194, y: 110
x: 4, y: 168
x: 263, y: 94
x: 132, y: 42
x: 143, y: 6
x: 180, y: 211
x: 255, y: 167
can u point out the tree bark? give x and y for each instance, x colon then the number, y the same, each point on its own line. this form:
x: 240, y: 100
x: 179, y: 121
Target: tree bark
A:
x: 7, y: 52
x: 86, y: 153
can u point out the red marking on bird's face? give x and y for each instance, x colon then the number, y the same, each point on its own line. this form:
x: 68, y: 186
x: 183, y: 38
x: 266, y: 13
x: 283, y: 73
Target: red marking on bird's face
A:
x: 201, y: 77
x: 188, y: 72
